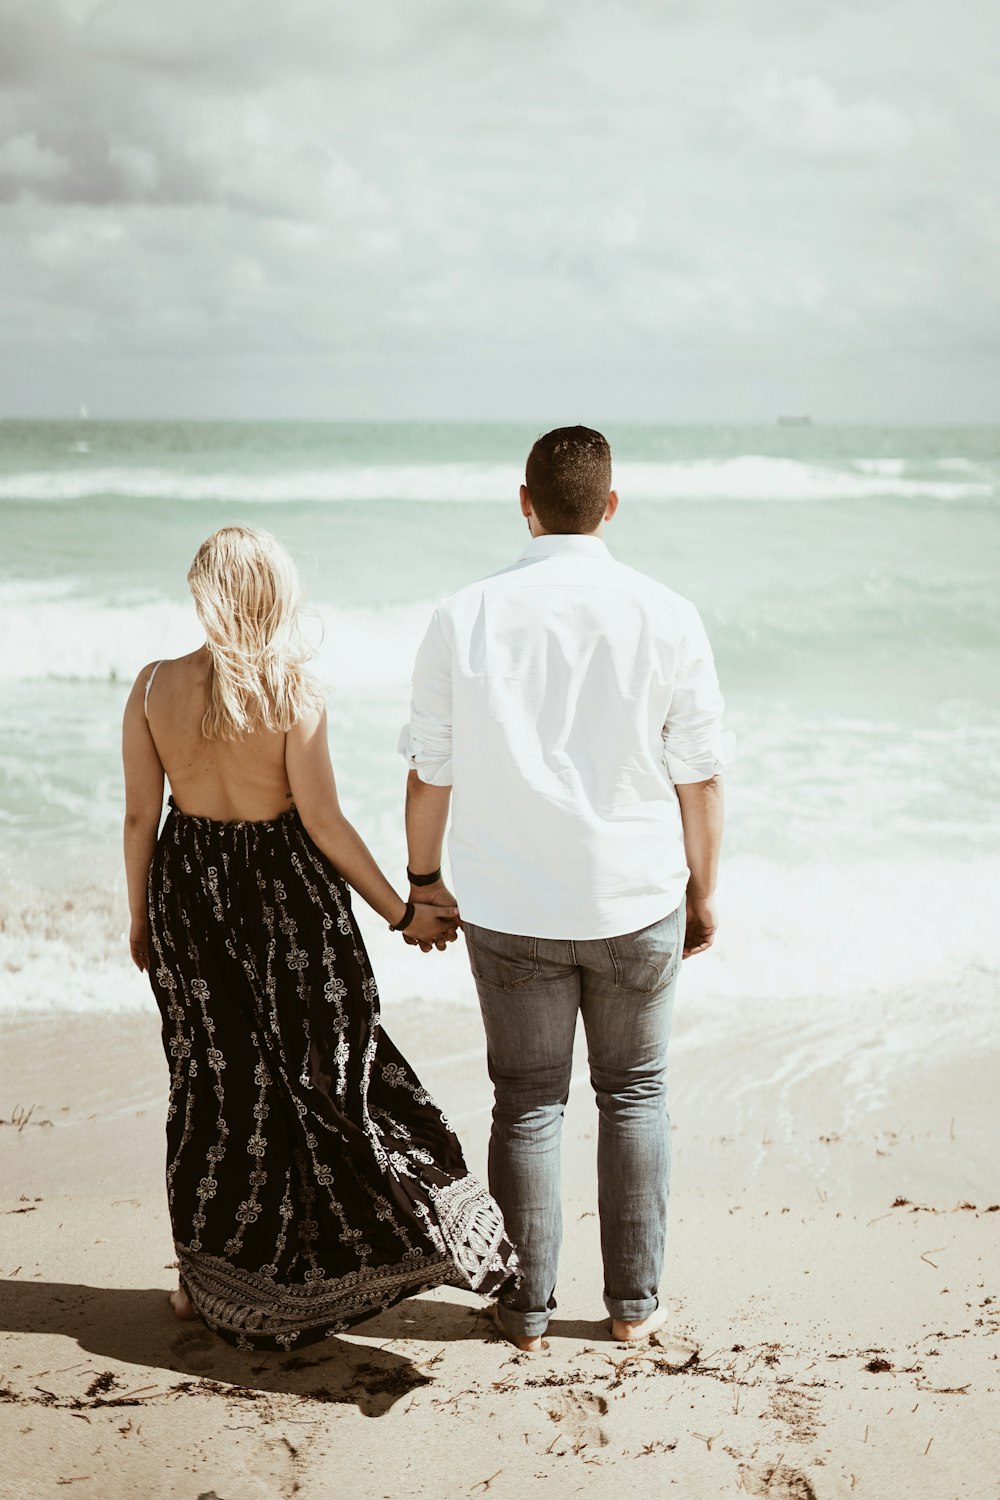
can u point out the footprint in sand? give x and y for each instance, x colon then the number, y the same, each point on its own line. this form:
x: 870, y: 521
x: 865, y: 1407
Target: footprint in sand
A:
x: 195, y: 1349
x: 777, y: 1482
x: 580, y: 1413
x: 798, y: 1411
x: 677, y: 1351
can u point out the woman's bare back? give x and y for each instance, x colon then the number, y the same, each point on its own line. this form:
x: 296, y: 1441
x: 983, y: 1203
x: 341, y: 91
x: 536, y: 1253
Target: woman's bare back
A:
x: 242, y: 779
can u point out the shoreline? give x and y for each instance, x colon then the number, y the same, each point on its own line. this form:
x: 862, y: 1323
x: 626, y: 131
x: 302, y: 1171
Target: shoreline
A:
x: 831, y: 1279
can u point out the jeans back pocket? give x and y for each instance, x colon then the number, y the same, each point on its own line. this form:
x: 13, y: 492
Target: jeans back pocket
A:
x: 648, y: 960
x: 502, y: 960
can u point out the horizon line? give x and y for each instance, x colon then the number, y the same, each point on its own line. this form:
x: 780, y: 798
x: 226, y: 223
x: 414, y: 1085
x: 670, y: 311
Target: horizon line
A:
x: 786, y: 421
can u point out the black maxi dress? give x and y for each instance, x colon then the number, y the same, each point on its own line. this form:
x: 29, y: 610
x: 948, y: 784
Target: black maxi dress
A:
x: 311, y: 1180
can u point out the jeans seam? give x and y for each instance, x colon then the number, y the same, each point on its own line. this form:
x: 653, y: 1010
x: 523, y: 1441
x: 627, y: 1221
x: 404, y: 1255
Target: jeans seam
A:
x: 614, y: 959
x: 669, y: 978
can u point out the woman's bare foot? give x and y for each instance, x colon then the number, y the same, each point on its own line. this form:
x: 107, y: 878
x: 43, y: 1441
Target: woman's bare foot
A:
x: 631, y: 1333
x: 525, y: 1346
x: 182, y: 1305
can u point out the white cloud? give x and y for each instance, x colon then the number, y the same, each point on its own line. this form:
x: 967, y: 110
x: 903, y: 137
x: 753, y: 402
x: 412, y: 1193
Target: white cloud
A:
x: 24, y: 160
x: 804, y: 114
x: 76, y: 245
x: 137, y: 169
x: 445, y: 202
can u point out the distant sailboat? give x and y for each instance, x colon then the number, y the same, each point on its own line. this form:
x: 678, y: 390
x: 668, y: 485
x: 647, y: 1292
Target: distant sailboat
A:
x: 82, y: 446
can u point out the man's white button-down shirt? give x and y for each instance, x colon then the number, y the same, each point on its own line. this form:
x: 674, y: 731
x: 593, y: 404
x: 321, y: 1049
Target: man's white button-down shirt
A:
x: 562, y: 699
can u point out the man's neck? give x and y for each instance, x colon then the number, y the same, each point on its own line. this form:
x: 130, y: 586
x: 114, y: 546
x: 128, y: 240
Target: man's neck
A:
x: 537, y: 531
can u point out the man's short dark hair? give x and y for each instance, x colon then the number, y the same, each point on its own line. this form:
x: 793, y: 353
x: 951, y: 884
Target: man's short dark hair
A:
x: 568, y: 477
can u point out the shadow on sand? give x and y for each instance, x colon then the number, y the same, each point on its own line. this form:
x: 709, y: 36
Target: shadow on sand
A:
x: 137, y: 1327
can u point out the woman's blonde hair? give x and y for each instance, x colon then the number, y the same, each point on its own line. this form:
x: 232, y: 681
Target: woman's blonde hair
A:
x: 247, y: 592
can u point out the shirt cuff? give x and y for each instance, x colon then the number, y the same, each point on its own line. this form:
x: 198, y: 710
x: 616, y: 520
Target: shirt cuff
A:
x: 431, y: 762
x: 700, y: 763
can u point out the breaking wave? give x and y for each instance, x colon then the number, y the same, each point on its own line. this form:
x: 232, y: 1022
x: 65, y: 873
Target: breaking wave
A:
x: 749, y: 477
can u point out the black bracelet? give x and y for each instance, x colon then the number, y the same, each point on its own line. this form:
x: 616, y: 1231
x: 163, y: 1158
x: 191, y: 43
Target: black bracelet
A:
x: 404, y: 920
x: 431, y: 879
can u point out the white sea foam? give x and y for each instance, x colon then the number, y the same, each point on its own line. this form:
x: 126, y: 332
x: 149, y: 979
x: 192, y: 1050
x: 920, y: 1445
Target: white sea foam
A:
x: 796, y: 940
x: 749, y: 477
x: 50, y: 633
x: 793, y: 941
x: 447, y: 481
x: 893, y: 467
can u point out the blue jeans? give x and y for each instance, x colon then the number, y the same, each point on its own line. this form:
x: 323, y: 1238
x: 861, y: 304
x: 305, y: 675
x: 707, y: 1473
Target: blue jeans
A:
x: 530, y: 991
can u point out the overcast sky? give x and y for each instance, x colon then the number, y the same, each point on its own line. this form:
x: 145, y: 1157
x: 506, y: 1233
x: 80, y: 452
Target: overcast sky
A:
x: 659, y: 209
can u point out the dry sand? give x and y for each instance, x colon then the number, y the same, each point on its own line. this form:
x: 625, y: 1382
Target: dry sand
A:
x: 832, y: 1275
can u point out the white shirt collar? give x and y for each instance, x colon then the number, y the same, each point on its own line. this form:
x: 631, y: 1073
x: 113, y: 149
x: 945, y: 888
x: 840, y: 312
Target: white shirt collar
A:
x: 552, y: 543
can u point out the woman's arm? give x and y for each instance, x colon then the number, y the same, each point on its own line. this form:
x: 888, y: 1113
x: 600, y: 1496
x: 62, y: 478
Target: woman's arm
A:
x: 314, y: 790
x: 143, y: 806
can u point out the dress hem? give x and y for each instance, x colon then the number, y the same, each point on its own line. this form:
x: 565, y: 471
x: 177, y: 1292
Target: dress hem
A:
x: 253, y: 1311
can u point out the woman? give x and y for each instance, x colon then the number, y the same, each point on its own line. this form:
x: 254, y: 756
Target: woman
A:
x: 311, y: 1180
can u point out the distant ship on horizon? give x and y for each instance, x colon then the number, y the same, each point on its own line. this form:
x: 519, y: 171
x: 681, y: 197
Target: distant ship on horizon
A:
x: 795, y: 421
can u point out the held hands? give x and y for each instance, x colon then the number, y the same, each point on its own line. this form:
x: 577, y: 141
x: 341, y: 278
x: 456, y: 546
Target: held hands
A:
x: 702, y: 922
x: 433, y: 904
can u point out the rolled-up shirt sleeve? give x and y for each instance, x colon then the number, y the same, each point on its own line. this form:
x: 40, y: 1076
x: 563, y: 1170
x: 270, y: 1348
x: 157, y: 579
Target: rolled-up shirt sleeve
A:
x: 695, y: 748
x: 425, y: 742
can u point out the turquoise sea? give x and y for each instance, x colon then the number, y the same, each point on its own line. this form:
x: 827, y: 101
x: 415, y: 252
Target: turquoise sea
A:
x: 848, y: 578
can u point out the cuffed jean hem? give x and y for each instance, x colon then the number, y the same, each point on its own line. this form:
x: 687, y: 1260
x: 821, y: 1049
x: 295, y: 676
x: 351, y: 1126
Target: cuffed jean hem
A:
x: 633, y: 1311
x: 522, y: 1325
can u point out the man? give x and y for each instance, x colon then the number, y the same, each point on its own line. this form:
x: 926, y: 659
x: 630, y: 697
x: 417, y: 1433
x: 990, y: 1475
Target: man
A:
x: 570, y: 705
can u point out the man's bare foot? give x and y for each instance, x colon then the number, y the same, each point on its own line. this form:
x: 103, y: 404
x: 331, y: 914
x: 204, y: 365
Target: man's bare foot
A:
x: 631, y: 1333
x: 525, y: 1346
x: 182, y: 1305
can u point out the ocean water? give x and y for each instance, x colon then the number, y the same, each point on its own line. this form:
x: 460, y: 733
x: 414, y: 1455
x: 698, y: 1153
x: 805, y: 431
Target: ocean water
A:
x: 847, y: 576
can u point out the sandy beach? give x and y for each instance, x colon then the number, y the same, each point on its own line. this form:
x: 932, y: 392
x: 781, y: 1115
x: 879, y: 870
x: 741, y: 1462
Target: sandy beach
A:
x: 832, y: 1277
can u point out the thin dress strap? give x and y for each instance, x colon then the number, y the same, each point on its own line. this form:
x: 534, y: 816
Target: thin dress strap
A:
x: 149, y: 684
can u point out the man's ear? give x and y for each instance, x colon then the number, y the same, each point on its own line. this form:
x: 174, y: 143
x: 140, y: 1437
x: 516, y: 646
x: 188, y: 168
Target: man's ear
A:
x: 525, y: 501
x: 612, y: 505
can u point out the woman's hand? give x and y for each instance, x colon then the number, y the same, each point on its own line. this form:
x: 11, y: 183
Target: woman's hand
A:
x: 138, y: 943
x: 432, y: 926
x: 437, y: 895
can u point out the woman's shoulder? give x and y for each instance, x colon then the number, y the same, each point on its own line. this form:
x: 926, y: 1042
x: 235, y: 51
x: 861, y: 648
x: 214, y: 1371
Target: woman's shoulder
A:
x: 143, y: 678
x: 169, y: 665
x: 311, y: 710
x: 166, y: 669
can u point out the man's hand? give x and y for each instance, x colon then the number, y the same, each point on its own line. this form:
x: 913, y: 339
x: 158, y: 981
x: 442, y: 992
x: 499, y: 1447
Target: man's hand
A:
x: 437, y: 894
x: 702, y: 922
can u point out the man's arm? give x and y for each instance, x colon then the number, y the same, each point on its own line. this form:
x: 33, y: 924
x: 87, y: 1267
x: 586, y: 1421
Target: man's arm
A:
x: 426, y: 745
x: 426, y: 817
x: 702, y: 816
x: 694, y: 755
